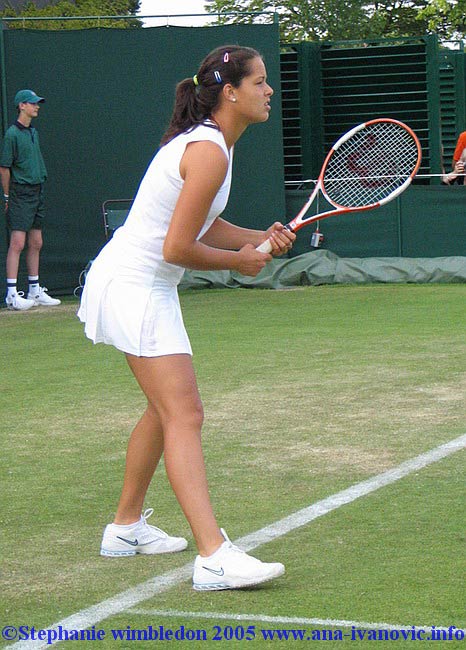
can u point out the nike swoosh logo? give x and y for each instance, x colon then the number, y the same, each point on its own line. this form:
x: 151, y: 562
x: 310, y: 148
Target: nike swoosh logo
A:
x: 131, y: 542
x: 218, y: 572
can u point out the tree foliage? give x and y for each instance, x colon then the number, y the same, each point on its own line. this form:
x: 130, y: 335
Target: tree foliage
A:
x: 352, y: 19
x: 448, y: 18
x: 68, y: 9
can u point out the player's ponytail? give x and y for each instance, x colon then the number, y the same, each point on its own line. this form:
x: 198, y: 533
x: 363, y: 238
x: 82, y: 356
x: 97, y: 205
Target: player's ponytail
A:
x: 197, y: 97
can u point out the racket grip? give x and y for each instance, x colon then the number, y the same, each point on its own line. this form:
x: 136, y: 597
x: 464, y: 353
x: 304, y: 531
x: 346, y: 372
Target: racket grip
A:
x: 265, y: 247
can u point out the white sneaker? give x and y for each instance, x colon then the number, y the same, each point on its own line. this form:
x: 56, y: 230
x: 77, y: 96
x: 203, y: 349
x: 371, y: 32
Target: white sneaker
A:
x: 141, y: 538
x: 19, y: 303
x: 231, y: 568
x: 43, y: 298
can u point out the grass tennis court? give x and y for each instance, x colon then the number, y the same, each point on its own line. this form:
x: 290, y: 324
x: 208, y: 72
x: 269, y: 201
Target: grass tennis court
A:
x: 306, y: 392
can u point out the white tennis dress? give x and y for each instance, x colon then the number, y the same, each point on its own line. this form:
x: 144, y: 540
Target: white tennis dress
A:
x: 130, y: 297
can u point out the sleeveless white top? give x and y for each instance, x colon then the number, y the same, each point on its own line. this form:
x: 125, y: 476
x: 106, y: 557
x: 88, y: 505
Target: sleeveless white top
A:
x: 131, y: 264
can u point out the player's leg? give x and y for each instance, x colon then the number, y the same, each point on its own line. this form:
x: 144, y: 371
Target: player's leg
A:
x: 144, y: 451
x: 170, y: 386
x: 130, y: 533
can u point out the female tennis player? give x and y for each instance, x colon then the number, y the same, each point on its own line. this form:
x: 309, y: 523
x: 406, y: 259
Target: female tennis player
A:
x: 130, y: 301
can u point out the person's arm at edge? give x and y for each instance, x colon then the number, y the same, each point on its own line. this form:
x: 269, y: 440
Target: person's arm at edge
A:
x: 5, y: 176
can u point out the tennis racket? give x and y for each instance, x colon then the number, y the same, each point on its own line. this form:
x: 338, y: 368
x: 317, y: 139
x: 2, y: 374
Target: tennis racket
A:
x: 367, y: 167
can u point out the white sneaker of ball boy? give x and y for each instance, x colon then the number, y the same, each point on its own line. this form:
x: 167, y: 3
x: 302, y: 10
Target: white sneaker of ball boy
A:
x: 18, y: 302
x: 38, y: 298
x: 42, y: 298
x: 228, y: 568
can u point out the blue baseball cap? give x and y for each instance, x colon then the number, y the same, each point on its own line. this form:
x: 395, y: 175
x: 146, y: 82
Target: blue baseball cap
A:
x: 27, y: 97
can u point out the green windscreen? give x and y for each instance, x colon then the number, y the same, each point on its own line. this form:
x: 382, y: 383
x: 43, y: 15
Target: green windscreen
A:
x: 109, y: 95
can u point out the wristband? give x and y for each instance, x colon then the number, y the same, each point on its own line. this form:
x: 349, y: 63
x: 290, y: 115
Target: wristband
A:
x: 6, y: 197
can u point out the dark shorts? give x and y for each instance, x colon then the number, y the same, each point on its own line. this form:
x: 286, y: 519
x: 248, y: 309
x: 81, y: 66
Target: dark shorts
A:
x: 25, y: 207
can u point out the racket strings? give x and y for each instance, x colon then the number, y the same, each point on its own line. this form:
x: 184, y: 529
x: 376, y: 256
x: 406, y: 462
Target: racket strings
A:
x: 369, y: 166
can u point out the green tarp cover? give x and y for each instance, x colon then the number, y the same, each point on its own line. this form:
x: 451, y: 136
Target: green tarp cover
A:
x: 324, y: 267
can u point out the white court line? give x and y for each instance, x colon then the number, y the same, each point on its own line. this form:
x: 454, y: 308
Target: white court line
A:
x: 282, y: 620
x: 135, y: 595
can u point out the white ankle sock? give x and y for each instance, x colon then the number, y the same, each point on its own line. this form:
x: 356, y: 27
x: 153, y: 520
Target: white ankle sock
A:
x: 33, y: 284
x: 11, y: 287
x: 127, y: 526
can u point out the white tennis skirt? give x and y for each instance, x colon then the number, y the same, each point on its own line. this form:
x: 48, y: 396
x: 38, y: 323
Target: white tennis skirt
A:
x: 142, y: 320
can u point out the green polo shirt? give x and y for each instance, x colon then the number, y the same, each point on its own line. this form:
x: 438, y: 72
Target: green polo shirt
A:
x: 21, y: 153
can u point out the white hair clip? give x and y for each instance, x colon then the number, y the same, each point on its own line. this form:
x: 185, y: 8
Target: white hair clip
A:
x: 226, y: 57
x: 217, y: 76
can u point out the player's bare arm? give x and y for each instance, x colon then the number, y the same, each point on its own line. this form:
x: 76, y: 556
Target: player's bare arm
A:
x: 223, y: 234
x: 203, y: 168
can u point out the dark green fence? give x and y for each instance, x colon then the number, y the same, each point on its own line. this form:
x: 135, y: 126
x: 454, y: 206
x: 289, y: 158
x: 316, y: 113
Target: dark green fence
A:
x: 422, y: 222
x: 109, y: 95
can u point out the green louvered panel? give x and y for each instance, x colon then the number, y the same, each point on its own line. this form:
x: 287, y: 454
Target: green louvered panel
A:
x: 452, y: 100
x: 327, y: 88
x: 301, y: 110
x: 362, y: 81
x: 291, y: 114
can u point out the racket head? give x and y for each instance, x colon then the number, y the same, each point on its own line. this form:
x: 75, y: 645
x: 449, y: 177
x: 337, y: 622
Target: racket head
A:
x: 370, y: 165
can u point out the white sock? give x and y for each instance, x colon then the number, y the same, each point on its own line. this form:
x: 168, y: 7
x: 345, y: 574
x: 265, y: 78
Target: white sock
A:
x: 33, y: 284
x: 11, y: 287
x: 127, y: 526
x: 211, y: 557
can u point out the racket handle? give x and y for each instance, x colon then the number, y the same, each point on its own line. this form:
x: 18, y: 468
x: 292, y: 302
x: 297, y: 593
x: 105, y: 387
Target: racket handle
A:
x: 265, y: 247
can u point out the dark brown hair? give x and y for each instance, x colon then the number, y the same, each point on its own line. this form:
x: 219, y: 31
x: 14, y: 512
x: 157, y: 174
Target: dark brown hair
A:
x: 197, y: 97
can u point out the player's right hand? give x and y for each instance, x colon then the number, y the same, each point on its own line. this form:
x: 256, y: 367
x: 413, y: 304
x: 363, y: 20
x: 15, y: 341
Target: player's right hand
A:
x: 250, y: 261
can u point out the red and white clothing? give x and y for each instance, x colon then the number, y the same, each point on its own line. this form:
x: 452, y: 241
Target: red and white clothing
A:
x: 460, y: 148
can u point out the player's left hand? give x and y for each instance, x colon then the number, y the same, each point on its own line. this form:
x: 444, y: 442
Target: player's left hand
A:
x: 281, y: 239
